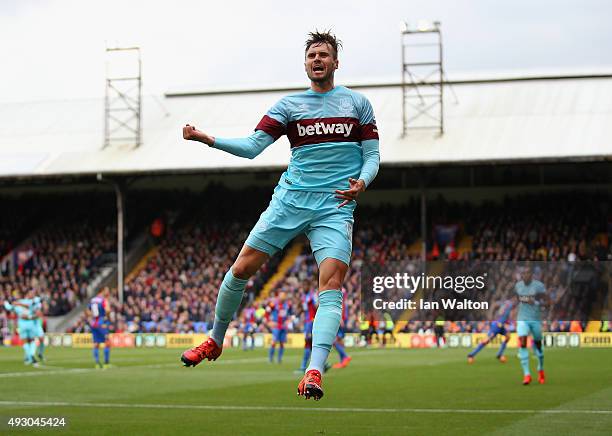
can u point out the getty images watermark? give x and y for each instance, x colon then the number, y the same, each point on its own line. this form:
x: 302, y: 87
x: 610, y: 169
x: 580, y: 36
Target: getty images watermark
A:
x: 402, y: 283
x: 477, y: 290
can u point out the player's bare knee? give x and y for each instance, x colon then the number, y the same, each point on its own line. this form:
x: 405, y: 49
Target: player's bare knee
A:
x: 248, y: 262
x: 523, y: 341
x: 245, y: 267
x: 331, y: 274
x: 241, y: 270
x: 331, y: 283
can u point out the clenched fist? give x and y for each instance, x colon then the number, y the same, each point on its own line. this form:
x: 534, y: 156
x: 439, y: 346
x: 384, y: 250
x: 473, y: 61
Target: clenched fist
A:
x: 192, y: 134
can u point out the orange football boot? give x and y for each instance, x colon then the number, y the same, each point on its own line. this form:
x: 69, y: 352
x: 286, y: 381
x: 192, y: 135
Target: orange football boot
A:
x: 343, y: 363
x: 541, y: 378
x: 206, y: 350
x: 311, y: 385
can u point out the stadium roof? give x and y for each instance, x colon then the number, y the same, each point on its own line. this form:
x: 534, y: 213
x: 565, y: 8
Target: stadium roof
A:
x: 528, y: 119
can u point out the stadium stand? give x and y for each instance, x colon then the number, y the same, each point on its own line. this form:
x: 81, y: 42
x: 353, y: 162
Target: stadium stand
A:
x: 560, y: 229
x: 175, y: 291
x: 70, y: 237
x: 58, y: 259
x: 18, y: 218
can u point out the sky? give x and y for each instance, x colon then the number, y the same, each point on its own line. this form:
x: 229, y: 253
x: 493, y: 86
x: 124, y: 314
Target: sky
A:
x: 55, y: 49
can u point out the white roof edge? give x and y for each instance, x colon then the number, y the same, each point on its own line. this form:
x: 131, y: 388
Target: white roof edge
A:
x: 452, y: 78
x: 270, y: 168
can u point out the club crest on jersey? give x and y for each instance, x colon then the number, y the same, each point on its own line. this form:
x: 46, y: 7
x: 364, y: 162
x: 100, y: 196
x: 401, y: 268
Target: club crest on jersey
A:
x: 346, y: 107
x: 325, y: 129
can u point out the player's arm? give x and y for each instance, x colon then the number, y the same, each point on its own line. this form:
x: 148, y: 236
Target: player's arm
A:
x: 371, y: 161
x: 271, y: 127
x: 370, y: 152
x: 248, y: 147
x: 369, y: 143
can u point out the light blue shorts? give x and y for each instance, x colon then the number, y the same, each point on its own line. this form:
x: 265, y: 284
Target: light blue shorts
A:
x: 524, y: 328
x: 27, y: 329
x: 40, y: 332
x: 290, y: 213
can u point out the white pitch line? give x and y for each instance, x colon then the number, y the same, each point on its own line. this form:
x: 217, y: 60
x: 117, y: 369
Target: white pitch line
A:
x: 64, y: 371
x: 39, y: 373
x: 177, y: 365
x: 68, y: 371
x: 304, y: 409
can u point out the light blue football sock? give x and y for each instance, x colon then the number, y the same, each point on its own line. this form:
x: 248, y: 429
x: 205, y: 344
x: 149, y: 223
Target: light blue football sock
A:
x: 340, y: 350
x: 96, y: 354
x: 41, y: 349
x: 32, y: 350
x: 106, y: 355
x: 26, y: 352
x: 228, y: 300
x: 281, y: 351
x: 540, y: 355
x: 523, y: 355
x: 502, y: 348
x: 325, y: 327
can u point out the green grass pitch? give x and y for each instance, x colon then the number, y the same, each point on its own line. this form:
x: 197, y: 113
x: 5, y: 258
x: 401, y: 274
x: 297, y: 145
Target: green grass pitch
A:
x: 382, y: 392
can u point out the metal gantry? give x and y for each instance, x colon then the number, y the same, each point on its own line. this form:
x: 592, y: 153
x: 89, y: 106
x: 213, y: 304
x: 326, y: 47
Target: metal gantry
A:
x: 123, y: 97
x: 422, y: 77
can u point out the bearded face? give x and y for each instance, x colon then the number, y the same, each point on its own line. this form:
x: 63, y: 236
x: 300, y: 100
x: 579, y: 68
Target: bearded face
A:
x: 321, y: 63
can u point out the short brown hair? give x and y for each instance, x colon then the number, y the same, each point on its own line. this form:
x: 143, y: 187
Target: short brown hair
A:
x: 325, y: 37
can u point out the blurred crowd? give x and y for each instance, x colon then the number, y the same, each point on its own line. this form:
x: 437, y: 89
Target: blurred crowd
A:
x: 546, y: 227
x: 176, y: 289
x: 59, y: 259
x: 59, y: 263
x: 198, y: 236
x: 543, y: 227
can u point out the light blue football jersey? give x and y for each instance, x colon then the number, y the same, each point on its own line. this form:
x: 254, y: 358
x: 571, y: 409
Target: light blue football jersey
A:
x: 331, y: 135
x: 528, y: 310
x: 325, y: 131
x: 20, y: 310
x: 26, y: 325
